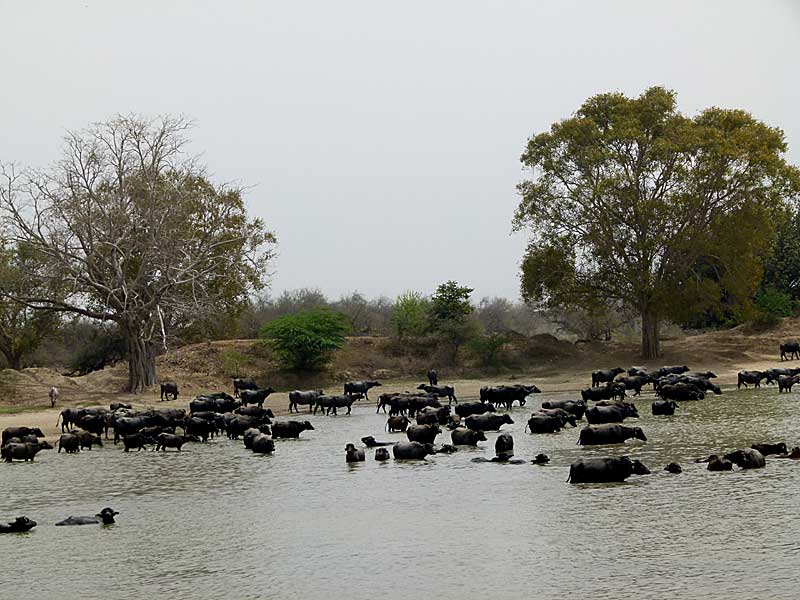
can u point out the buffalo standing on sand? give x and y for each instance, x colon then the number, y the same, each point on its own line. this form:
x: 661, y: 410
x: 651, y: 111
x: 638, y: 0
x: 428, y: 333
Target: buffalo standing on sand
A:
x: 168, y: 388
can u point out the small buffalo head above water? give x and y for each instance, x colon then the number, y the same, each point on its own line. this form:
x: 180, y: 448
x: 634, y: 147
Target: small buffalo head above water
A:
x: 107, y: 515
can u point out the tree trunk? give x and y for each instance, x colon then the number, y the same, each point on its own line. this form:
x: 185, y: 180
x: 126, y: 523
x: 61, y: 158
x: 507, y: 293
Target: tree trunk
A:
x: 650, y: 338
x: 141, y: 363
x: 13, y: 358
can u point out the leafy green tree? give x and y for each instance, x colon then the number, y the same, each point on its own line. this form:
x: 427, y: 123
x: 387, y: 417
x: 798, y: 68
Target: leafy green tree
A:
x: 410, y: 316
x: 489, y: 349
x: 782, y: 268
x: 306, y: 340
x: 134, y: 229
x: 450, y: 309
x: 22, y: 328
x: 631, y: 201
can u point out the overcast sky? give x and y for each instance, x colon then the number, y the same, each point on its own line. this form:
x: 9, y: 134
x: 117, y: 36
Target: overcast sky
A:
x: 382, y: 138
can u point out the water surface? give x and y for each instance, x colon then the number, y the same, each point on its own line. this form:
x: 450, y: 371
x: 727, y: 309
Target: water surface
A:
x: 218, y: 521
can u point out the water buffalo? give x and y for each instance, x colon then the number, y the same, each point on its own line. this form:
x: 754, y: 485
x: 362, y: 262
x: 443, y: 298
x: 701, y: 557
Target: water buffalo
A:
x: 790, y: 348
x: 715, y: 463
x: 595, y: 435
x: 19, y: 525
x: 424, y: 434
x: 680, y: 392
x: 135, y: 441
x: 93, y: 423
x: 487, y: 422
x: 353, y: 454
x: 505, y: 395
x: 290, y: 429
x: 199, y: 427
x: 360, y: 387
x: 673, y: 468
x: 412, y: 450
x: 371, y: 442
x: 221, y: 403
x: 605, y: 470
x: 786, y: 382
x: 398, y: 423
x: 676, y: 370
x: 255, y: 396
x: 544, y: 423
x: 243, y: 383
x: 615, y: 413
x: 606, y: 376
x: 466, y: 437
x: 664, y: 407
x: 329, y: 404
x: 168, y: 388
x: 105, y: 516
x: 127, y: 425
x: 606, y: 392
x: 441, y: 391
x: 170, y: 440
x: 749, y: 458
x: 702, y: 384
x: 576, y: 407
x: 431, y: 416
x: 303, y: 398
x: 767, y: 449
x: 433, y: 377
x: 752, y: 377
x: 249, y: 435
x: 540, y: 459
x: 67, y: 416
x: 114, y: 406
x: 466, y: 409
x: 771, y: 375
x: 264, y: 444
x: 635, y: 383
x: 381, y: 454
x: 255, y: 412
x: 69, y: 443
x: 504, y: 446
x: 20, y: 432
x: 23, y: 451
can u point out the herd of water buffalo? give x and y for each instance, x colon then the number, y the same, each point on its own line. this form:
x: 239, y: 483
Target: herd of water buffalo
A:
x: 420, y: 414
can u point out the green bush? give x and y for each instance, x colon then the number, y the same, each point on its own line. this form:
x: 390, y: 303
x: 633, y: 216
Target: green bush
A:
x: 489, y: 350
x: 232, y: 361
x: 307, y: 339
x: 775, y: 302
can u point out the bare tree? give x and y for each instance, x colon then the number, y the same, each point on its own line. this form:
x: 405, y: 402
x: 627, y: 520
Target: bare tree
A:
x: 137, y: 234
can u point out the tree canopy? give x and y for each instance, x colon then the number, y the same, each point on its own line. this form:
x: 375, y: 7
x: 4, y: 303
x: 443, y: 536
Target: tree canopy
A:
x: 307, y: 339
x: 136, y: 233
x: 631, y: 201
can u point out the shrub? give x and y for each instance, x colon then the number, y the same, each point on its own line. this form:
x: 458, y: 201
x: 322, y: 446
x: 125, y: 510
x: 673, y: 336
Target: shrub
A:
x: 307, y: 339
x: 775, y: 302
x: 232, y: 361
x: 489, y: 349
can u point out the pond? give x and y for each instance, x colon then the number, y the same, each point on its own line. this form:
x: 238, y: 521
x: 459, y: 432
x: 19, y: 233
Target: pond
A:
x: 220, y: 521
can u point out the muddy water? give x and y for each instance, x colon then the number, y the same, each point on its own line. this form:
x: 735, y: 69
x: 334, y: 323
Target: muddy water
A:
x: 220, y: 522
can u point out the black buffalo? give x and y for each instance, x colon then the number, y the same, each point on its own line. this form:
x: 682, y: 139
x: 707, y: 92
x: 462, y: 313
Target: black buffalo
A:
x: 605, y: 470
x: 255, y: 396
x: 168, y: 388
x: 360, y: 387
x: 606, y: 376
x: 243, y: 383
x: 596, y: 435
x: 792, y: 349
x: 290, y: 429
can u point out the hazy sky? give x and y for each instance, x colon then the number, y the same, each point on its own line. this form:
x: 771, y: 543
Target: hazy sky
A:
x: 382, y: 138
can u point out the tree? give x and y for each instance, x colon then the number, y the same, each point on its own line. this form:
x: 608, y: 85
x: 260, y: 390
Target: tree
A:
x: 137, y: 233
x: 22, y: 329
x: 631, y: 201
x: 410, y: 315
x: 306, y: 340
x: 450, y: 308
x: 782, y: 268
